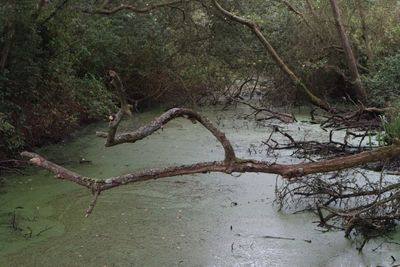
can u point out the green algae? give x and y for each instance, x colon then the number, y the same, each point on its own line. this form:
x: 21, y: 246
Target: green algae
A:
x: 178, y: 221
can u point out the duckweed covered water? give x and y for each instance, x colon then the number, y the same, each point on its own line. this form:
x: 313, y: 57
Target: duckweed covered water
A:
x: 194, y: 220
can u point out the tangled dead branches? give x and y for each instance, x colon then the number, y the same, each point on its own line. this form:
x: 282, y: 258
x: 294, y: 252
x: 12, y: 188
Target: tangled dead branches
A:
x: 359, y: 201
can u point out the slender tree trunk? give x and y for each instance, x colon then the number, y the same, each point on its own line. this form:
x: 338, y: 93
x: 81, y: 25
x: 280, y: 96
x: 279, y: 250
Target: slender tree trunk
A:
x: 10, y: 31
x: 365, y: 30
x: 358, y: 88
x: 275, y: 56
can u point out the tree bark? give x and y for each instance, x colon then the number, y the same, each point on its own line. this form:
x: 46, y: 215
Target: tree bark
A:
x: 287, y: 171
x: 358, y: 88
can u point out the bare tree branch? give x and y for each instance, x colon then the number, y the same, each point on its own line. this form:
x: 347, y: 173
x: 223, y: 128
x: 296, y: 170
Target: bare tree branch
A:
x: 159, y: 122
x: 293, y: 9
x: 136, y: 9
x: 278, y: 60
x: 229, y: 165
x: 288, y: 171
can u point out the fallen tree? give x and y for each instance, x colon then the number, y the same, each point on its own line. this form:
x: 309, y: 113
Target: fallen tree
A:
x: 230, y: 164
x: 369, y: 205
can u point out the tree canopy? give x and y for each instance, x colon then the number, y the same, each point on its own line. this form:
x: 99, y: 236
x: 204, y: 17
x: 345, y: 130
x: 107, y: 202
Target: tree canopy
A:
x: 55, y: 56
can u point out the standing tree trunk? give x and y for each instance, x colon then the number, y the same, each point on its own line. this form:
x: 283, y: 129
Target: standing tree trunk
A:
x: 9, y: 37
x: 358, y: 88
x: 365, y: 30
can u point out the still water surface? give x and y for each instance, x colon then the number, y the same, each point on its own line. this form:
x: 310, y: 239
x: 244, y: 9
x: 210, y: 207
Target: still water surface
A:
x: 195, y: 220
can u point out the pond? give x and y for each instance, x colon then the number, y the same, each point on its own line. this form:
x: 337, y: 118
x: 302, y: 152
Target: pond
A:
x: 194, y: 220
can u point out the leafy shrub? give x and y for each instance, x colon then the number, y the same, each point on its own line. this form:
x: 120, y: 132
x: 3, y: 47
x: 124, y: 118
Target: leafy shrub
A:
x: 10, y: 139
x: 93, y: 97
x: 384, y: 83
x: 392, y: 130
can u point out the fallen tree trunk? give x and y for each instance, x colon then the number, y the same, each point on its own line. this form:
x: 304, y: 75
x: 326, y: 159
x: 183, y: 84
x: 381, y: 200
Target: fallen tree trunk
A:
x: 229, y: 165
x: 288, y: 171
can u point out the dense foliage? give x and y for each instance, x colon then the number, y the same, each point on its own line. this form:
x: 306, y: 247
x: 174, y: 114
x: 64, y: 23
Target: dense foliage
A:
x: 384, y: 81
x: 55, y: 56
x: 43, y: 93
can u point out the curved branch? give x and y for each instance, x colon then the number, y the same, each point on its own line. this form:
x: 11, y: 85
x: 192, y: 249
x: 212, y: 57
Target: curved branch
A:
x: 159, y: 122
x: 294, y: 10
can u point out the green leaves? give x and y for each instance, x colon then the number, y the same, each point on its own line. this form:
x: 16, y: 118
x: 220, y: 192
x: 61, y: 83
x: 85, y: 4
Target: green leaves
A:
x: 392, y: 130
x: 383, y: 82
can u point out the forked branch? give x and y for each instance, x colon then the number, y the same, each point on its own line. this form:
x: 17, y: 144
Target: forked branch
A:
x: 229, y: 165
x: 159, y: 122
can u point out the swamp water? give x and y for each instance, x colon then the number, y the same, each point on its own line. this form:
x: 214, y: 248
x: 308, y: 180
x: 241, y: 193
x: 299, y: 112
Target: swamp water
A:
x: 194, y: 220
